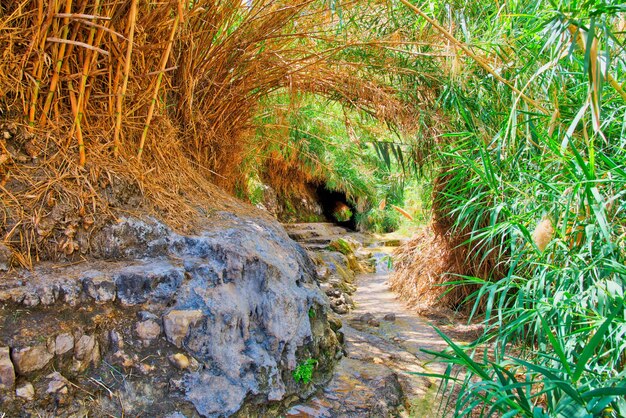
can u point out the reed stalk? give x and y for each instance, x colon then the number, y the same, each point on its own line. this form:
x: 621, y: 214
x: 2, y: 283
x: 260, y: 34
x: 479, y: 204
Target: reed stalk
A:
x: 59, y: 64
x: 163, y: 64
x: 78, y: 115
x: 122, y: 91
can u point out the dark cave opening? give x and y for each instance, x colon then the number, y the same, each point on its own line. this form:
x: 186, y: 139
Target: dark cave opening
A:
x: 336, y: 207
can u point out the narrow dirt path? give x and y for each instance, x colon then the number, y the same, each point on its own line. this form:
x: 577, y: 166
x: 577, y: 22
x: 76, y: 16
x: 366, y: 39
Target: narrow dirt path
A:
x: 383, y: 342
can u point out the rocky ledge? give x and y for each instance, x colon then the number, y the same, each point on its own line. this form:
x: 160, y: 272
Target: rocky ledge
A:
x: 162, y: 324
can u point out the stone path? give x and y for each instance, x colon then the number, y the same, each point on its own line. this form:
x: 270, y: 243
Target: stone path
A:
x: 383, y: 342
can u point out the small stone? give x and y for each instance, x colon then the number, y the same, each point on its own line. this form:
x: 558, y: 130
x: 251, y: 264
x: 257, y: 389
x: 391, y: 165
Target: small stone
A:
x: 58, y: 387
x: 124, y: 359
x: 57, y: 382
x: 26, y: 391
x: 116, y: 340
x: 5, y: 257
x: 86, y: 351
x: 148, y: 330
x: 145, y: 369
x: 334, y: 322
x: 390, y: 317
x: 145, y: 315
x: 341, y: 309
x: 63, y: 344
x: 180, y: 360
x: 176, y: 385
x: 177, y: 323
x: 98, y: 286
x: 7, y: 372
x: 6, y: 135
x: 365, y: 318
x: 373, y: 322
x: 32, y: 358
x: 70, y: 293
x: 84, y: 347
x: 48, y: 294
x: 377, y: 360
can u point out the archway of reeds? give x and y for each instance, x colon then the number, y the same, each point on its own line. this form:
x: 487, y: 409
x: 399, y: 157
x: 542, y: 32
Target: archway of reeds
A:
x: 122, y: 106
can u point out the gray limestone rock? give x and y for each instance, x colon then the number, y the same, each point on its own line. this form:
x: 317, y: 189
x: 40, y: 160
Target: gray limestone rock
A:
x: 98, y: 286
x: 233, y: 301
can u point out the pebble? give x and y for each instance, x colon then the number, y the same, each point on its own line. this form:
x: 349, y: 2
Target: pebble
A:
x: 26, y: 391
x: 390, y: 317
x: 180, y: 360
x: 177, y: 323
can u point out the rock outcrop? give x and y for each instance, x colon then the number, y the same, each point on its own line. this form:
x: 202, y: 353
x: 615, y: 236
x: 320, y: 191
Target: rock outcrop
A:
x: 159, y: 323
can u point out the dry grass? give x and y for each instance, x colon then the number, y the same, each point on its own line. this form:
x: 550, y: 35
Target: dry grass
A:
x: 122, y: 105
x: 423, y: 266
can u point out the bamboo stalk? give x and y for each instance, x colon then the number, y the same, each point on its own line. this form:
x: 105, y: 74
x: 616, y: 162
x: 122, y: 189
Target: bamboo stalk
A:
x: 475, y: 57
x: 164, y: 59
x: 122, y: 92
x: 38, y: 65
x: 59, y: 65
x: 78, y: 115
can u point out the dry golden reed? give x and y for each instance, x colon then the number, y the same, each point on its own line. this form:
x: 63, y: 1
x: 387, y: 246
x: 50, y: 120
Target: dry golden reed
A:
x: 104, y: 101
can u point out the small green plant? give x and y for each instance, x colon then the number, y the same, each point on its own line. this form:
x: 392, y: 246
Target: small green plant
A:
x: 311, y: 313
x: 304, y: 371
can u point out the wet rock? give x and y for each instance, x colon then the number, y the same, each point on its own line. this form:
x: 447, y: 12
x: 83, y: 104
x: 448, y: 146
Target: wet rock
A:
x: 63, y: 344
x: 98, y: 286
x: 26, y: 391
x: 5, y: 257
x: 177, y: 323
x: 180, y: 360
x: 7, y: 372
x: 148, y: 330
x: 30, y: 359
x: 390, y: 317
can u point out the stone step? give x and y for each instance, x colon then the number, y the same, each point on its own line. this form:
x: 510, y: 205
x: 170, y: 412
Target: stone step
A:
x: 315, y: 247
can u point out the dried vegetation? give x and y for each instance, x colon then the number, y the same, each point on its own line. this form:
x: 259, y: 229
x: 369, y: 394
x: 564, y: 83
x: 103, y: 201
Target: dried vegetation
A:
x: 111, y: 106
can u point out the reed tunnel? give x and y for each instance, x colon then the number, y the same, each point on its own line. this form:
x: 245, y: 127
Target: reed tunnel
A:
x: 336, y: 208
